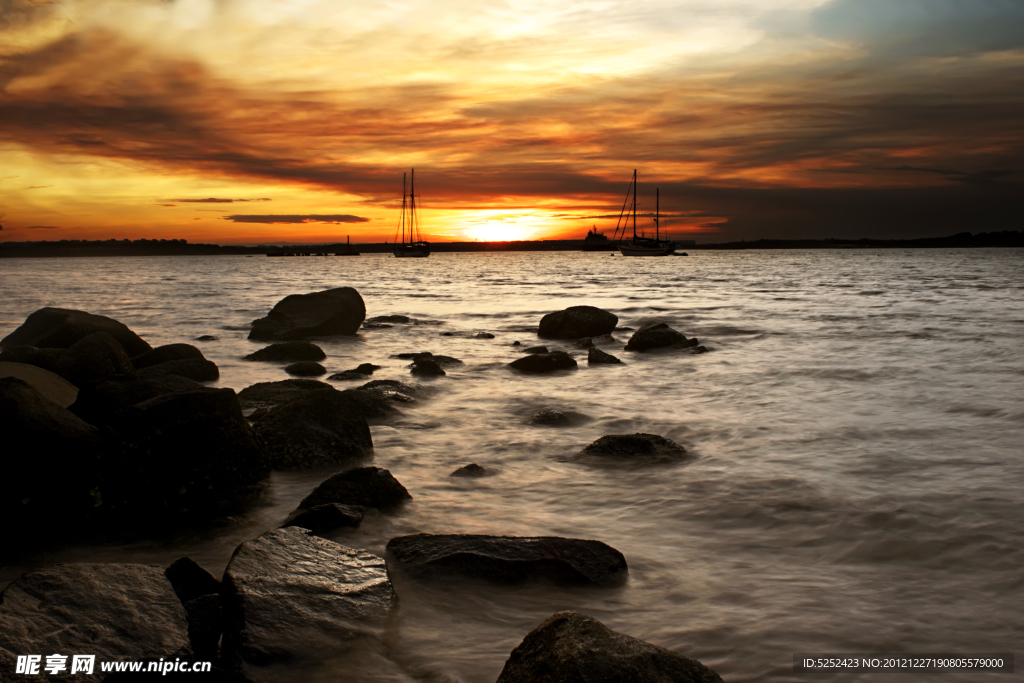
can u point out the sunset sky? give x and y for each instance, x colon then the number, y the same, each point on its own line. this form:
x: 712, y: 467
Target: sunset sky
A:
x: 259, y: 121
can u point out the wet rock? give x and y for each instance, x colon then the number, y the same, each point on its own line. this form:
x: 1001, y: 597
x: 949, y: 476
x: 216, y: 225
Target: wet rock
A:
x: 698, y: 349
x: 426, y: 367
x: 98, y: 404
x: 658, y: 336
x: 269, y: 394
x: 347, y: 376
x: 30, y: 355
x: 376, y: 326
x: 257, y: 415
x: 184, y: 454
x: 471, y: 470
x: 577, y: 321
x: 544, y: 363
x: 637, y: 446
x: 536, y: 349
x: 362, y: 372
x: 60, y: 328
x: 316, y: 428
x: 510, y: 559
x: 570, y: 647
x: 168, y: 352
x: 585, y: 343
x: 195, y: 369
x: 379, y: 398
x: 446, y: 361
x: 483, y: 335
x: 325, y: 517
x: 327, y: 313
x: 289, y: 595
x: 305, y: 368
x: 390, y: 319
x: 114, y: 611
x: 550, y: 417
x: 189, y: 580
x: 598, y: 357
x: 49, y: 384
x: 370, y: 487
x: 207, y: 337
x: 413, y: 355
x: 206, y: 623
x: 516, y: 343
x: 391, y: 385
x: 291, y: 352
x: 93, y: 359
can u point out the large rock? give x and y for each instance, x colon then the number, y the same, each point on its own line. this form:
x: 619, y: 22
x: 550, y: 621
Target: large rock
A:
x: 290, y: 595
x: 577, y: 321
x: 98, y: 404
x: 118, y: 612
x: 49, y: 384
x: 426, y: 367
x: 93, y: 359
x: 658, y: 336
x: 646, y: 447
x: 305, y: 368
x: 544, y: 363
x: 570, y: 647
x: 316, y: 428
x: 185, y: 453
x: 195, y: 369
x: 370, y: 487
x: 331, y: 312
x: 167, y: 352
x: 269, y: 394
x: 291, y: 352
x: 61, y: 327
x: 509, y: 559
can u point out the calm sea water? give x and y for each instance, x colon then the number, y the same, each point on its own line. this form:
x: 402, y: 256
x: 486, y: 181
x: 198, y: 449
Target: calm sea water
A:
x: 857, y: 431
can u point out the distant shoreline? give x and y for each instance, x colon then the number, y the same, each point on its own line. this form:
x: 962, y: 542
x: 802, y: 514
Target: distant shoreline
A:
x: 85, y: 248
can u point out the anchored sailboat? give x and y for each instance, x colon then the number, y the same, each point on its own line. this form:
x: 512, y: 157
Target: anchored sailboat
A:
x: 411, y: 244
x: 641, y: 245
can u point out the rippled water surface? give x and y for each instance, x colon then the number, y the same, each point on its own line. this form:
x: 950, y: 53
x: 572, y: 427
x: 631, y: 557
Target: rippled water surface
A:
x: 857, y: 429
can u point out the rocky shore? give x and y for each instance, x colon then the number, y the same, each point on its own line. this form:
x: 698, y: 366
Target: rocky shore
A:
x: 109, y: 433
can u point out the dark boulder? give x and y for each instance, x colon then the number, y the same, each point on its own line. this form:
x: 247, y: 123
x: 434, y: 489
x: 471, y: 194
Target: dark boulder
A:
x: 289, y: 595
x: 585, y: 343
x: 316, y: 428
x: 598, y: 357
x: 291, y: 352
x: 205, y: 625
x: 347, y: 376
x: 327, y: 313
x: 370, y: 487
x: 426, y: 367
x: 114, y: 611
x: 390, y: 319
x: 577, y: 321
x: 517, y: 343
x: 637, y: 446
x: 207, y: 337
x: 471, y: 470
x: 362, y: 372
x: 93, y: 359
x: 30, y: 355
x: 379, y: 398
x: 195, y: 369
x: 49, y: 384
x: 189, y: 580
x: 549, y: 417
x: 305, y: 368
x: 510, y: 559
x: 60, y: 328
x: 269, y: 394
x: 658, y: 336
x: 413, y: 355
x: 326, y: 517
x: 570, y: 647
x: 446, y: 361
x: 536, y: 349
x: 184, y: 454
x: 97, y: 404
x: 162, y: 354
x: 483, y: 335
x: 544, y: 363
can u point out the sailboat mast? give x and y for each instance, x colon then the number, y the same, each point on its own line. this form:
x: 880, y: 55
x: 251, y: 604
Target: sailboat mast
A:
x: 657, y: 225
x: 412, y: 207
x: 634, y: 205
x: 401, y: 221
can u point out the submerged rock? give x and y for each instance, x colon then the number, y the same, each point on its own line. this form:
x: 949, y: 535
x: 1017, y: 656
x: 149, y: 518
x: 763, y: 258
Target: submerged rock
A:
x: 509, y: 559
x: 316, y: 428
x: 544, y: 363
x: 269, y: 394
x: 483, y: 335
x: 413, y: 355
x: 207, y: 337
x: 168, y: 352
x: 60, y: 328
x: 359, y: 373
x: 326, y: 517
x: 305, y: 368
x: 370, y: 487
x: 598, y: 357
x: 570, y: 647
x: 291, y: 595
x: 577, y: 321
x: 471, y: 470
x: 390, y: 319
x: 427, y: 367
x: 658, y: 336
x: 635, y: 447
x: 290, y: 351
x: 114, y: 611
x: 378, y: 398
x: 550, y: 417
x: 327, y: 313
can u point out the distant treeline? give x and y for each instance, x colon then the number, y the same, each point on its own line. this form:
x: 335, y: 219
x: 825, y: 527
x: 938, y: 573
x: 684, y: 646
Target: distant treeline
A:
x: 177, y: 247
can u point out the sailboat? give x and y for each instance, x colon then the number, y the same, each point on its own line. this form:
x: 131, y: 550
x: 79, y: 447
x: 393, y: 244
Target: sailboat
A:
x: 411, y: 244
x: 641, y: 245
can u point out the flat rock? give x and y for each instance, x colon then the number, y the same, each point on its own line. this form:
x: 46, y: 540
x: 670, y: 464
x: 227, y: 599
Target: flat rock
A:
x: 49, y: 384
x: 637, y: 446
x: 427, y: 367
x: 305, y: 368
x: 576, y: 322
x: 291, y: 352
x: 162, y: 354
x: 114, y: 611
x: 544, y: 363
x: 98, y: 404
x: 390, y: 319
x: 61, y: 327
x: 570, y: 647
x: 370, y: 487
x: 290, y: 595
x: 326, y: 517
x: 510, y: 559
x: 326, y: 313
x: 596, y: 356
x: 658, y: 336
x: 269, y: 394
x: 195, y: 369
x: 413, y: 355
x: 316, y: 428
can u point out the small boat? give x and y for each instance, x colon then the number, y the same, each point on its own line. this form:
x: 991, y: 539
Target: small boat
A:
x: 411, y: 244
x: 641, y: 245
x: 597, y: 241
x: 349, y: 251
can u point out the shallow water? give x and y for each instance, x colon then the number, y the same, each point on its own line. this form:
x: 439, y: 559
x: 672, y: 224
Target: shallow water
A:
x: 856, y: 431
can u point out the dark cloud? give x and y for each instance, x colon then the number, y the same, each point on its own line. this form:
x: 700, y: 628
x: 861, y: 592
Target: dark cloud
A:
x: 43, y: 227
x: 38, y: 187
x: 298, y: 218
x: 216, y: 200
x: 983, y: 178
